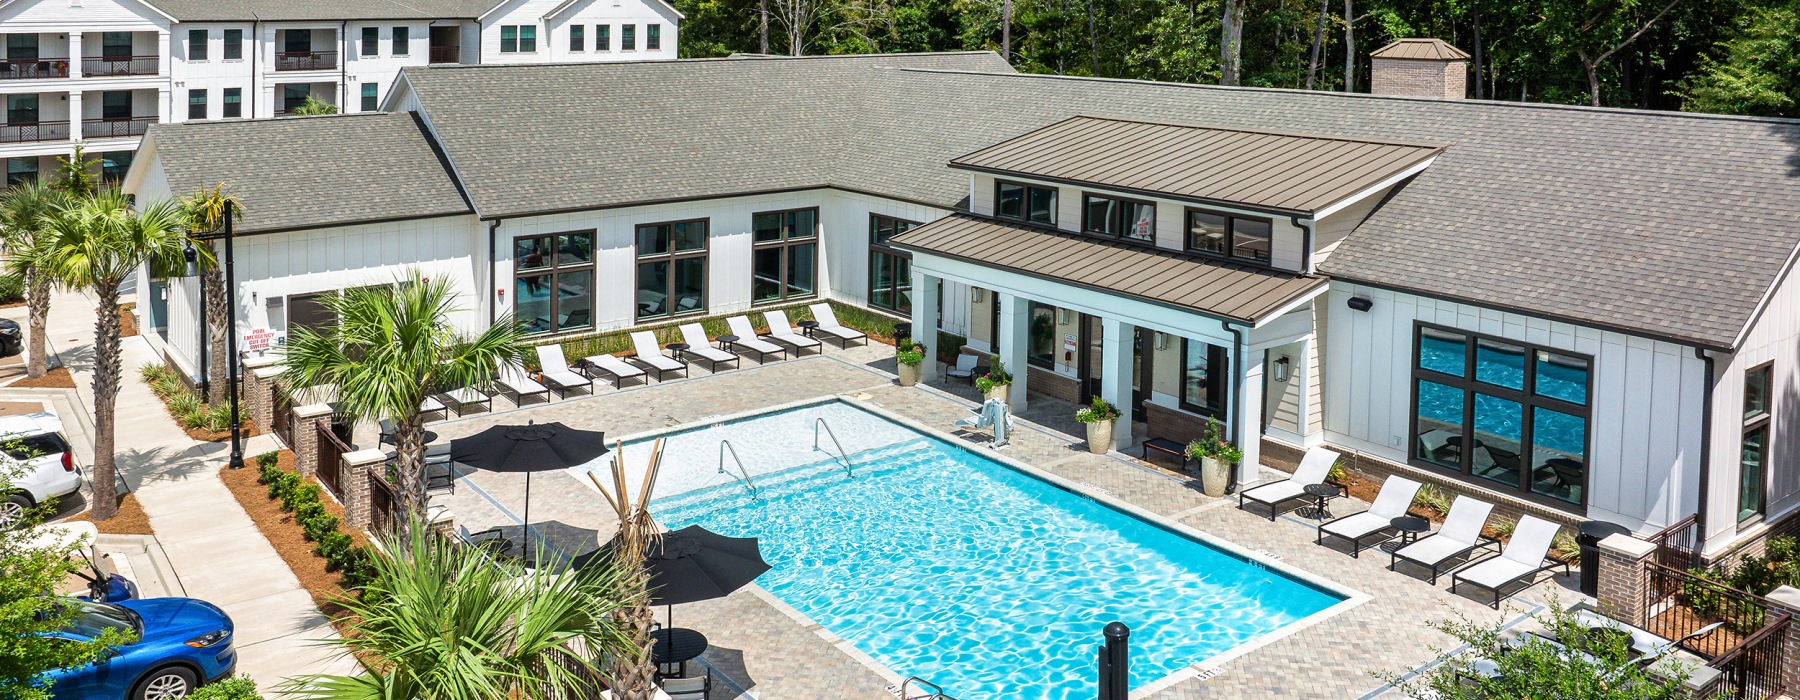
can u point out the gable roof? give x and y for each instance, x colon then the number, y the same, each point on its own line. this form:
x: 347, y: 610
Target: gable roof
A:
x: 1274, y: 172
x: 1420, y: 49
x: 359, y: 168
x: 320, y: 10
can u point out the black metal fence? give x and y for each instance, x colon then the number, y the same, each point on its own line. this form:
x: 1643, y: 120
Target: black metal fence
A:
x: 1747, y: 647
x: 1678, y: 545
x: 1753, y: 669
x: 330, y: 459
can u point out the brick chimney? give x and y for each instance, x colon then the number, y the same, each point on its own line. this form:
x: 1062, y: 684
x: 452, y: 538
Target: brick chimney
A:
x: 1419, y: 68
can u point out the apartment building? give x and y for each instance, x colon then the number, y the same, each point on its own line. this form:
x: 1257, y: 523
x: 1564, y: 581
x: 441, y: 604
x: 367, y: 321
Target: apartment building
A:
x: 99, y: 72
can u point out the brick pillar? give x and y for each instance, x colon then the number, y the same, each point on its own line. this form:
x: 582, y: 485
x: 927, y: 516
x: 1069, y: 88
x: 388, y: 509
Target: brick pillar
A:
x: 443, y: 522
x: 353, y: 478
x: 259, y: 391
x: 1624, y: 577
x: 306, y: 435
x: 1787, y: 599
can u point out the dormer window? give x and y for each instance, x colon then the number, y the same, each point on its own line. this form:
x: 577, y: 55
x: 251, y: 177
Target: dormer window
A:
x: 1237, y: 237
x: 1025, y: 202
x: 1119, y: 218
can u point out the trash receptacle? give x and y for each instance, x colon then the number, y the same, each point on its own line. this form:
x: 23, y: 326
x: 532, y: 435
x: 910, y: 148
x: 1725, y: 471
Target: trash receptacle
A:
x: 1588, y: 537
x: 902, y: 331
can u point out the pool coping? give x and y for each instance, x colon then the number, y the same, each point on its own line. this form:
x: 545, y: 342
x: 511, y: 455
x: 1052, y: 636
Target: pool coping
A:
x: 1207, y: 666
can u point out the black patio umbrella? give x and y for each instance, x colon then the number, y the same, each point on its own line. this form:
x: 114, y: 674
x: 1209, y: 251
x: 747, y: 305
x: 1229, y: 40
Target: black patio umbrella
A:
x: 528, y: 448
x: 690, y: 565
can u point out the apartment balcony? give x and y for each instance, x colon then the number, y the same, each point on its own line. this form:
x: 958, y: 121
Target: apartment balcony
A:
x: 33, y: 68
x: 34, y: 132
x: 109, y: 66
x: 446, y: 54
x: 115, y: 128
x: 306, y: 60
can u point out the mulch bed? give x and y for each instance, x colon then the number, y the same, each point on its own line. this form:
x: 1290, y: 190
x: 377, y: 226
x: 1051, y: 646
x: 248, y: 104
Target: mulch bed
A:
x: 130, y: 520
x: 127, y: 320
x: 56, y: 378
x: 205, y: 435
x: 284, y: 534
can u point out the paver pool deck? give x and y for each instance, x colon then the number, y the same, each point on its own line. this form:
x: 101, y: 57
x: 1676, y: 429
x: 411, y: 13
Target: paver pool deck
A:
x: 759, y: 651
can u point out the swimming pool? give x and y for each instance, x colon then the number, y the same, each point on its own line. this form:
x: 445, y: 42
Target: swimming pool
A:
x: 944, y: 564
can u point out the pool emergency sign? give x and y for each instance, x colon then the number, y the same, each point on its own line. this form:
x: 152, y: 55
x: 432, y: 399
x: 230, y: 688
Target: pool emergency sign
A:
x: 260, y: 339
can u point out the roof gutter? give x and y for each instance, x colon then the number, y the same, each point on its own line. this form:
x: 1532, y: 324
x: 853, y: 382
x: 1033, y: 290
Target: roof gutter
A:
x: 1306, y: 250
x: 1706, y: 420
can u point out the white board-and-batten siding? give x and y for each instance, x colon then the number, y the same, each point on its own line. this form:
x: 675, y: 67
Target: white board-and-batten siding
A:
x: 1647, y: 397
x: 1773, y: 339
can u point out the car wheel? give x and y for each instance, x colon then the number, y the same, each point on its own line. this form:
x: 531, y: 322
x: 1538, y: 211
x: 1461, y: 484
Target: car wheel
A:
x: 12, y: 509
x: 167, y: 683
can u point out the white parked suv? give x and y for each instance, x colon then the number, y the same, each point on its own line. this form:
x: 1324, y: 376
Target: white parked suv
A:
x: 36, y: 457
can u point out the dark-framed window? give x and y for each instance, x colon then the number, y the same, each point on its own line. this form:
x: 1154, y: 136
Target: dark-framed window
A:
x: 234, y: 44
x: 21, y: 170
x: 890, y: 269
x: 671, y: 268
x: 371, y: 93
x: 234, y: 103
x: 1040, y: 332
x: 22, y: 109
x: 1021, y: 202
x: 1753, y: 452
x: 24, y: 47
x: 293, y: 95
x: 115, y: 104
x: 602, y: 37
x: 1116, y: 217
x: 196, y: 45
x: 402, y: 41
x: 196, y: 104
x: 518, y: 38
x: 371, y: 41
x: 784, y: 255
x: 627, y: 37
x: 1508, y: 414
x: 553, y: 281
x: 1229, y: 236
x: 115, y: 45
x: 1205, y: 378
x: 652, y: 37
x: 114, y: 166
x: 577, y: 37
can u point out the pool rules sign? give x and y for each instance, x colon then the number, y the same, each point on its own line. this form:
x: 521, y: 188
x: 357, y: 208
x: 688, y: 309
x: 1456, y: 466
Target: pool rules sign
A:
x: 263, y: 339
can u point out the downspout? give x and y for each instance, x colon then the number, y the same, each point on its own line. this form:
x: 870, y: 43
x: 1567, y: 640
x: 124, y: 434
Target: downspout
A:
x: 1706, y: 416
x: 343, y: 66
x: 1306, y: 249
x: 1237, y: 395
x: 493, y: 305
x: 255, y: 58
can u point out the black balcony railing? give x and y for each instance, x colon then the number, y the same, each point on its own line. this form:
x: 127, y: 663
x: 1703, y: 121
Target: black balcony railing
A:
x: 102, y: 66
x: 29, y: 68
x: 446, y: 54
x: 29, y: 132
x: 115, y: 127
x: 305, y: 60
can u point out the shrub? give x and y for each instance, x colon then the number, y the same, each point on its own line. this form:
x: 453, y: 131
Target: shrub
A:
x: 1432, y: 497
x: 268, y: 459
x: 911, y: 355
x: 949, y: 346
x: 12, y: 289
x: 997, y: 376
x: 238, y: 688
x: 1504, y: 529
x: 1099, y: 410
x: 318, y: 525
x: 1338, y: 474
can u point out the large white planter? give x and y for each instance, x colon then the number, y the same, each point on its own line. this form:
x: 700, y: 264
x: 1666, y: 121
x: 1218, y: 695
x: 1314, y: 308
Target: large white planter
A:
x: 1100, y: 436
x: 909, y: 374
x: 998, y: 392
x: 1214, y: 474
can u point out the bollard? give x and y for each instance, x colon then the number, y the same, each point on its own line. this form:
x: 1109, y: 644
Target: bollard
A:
x: 1115, y: 663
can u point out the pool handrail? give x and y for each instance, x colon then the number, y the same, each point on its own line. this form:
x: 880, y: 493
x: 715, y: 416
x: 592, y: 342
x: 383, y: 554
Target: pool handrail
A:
x: 726, y: 445
x: 844, y: 454
x: 937, y: 691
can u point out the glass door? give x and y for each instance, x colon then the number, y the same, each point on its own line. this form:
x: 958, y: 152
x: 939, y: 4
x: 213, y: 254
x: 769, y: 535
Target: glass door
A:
x: 1093, y: 357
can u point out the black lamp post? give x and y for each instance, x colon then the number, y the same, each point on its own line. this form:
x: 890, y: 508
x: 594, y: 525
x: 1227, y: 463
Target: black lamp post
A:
x: 231, y: 351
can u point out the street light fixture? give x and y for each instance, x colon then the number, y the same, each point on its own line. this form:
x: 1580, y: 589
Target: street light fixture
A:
x: 192, y: 259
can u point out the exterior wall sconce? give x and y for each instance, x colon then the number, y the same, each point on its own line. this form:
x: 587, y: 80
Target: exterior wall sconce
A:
x: 1361, y: 303
x: 1064, y: 317
x: 1162, y: 340
x: 977, y: 295
x: 1281, y: 369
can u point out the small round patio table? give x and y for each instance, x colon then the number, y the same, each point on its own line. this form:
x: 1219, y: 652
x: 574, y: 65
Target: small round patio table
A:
x: 1322, y: 495
x: 680, y: 350
x: 807, y: 327
x: 676, y: 645
x: 727, y: 342
x: 1409, y: 526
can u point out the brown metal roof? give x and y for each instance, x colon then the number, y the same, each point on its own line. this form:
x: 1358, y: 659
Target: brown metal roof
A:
x: 1421, y: 49
x: 1239, y: 293
x: 1277, y: 172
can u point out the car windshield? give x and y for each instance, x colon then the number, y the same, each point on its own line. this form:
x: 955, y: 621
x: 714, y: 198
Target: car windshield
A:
x: 93, y: 619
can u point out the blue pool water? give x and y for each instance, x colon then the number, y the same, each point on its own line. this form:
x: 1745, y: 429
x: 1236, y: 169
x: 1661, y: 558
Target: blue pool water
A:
x: 949, y: 566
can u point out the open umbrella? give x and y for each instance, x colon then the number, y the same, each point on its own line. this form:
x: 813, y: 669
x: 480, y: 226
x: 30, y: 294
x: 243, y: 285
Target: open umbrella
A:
x: 528, y: 448
x: 690, y: 565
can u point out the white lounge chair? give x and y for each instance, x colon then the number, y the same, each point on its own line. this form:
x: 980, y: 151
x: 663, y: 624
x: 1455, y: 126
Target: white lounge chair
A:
x: 828, y: 324
x: 513, y: 378
x: 748, y: 340
x: 650, y: 354
x: 460, y: 399
x: 1395, y: 497
x: 1313, y: 469
x: 432, y: 405
x: 556, y: 370
x: 619, y: 369
x: 1460, y: 535
x: 1522, y: 559
x: 965, y: 367
x: 699, y: 346
x: 782, y: 332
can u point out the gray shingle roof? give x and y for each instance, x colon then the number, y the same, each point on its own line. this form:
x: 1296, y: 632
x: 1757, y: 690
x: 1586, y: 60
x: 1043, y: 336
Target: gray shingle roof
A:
x: 1664, y: 224
x: 308, y: 172
x: 307, y: 10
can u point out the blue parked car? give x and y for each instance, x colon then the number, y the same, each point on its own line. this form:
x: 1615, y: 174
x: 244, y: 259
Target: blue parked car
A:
x: 181, y: 644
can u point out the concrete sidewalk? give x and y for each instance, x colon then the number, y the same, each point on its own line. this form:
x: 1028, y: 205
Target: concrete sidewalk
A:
x: 216, y: 551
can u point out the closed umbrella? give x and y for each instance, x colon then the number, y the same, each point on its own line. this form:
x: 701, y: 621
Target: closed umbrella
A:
x: 690, y: 565
x: 528, y: 448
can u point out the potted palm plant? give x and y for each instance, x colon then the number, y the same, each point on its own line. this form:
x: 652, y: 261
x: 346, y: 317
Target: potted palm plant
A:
x: 1216, y: 456
x: 911, y: 357
x: 995, y: 383
x: 1100, y: 418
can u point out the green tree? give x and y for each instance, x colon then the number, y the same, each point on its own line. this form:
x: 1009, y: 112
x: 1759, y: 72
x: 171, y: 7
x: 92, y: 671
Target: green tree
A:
x: 25, y: 213
x: 1759, y: 70
x: 313, y: 106
x: 443, y: 621
x: 206, y: 213
x: 75, y: 173
x: 392, y: 347
x: 99, y: 241
x: 30, y: 571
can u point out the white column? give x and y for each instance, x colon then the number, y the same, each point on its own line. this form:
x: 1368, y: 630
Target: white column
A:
x: 75, y: 115
x: 162, y: 53
x: 164, y: 111
x: 925, y: 321
x: 1015, y: 339
x: 1116, y: 349
x: 1300, y: 372
x: 74, y: 54
x: 1246, y: 426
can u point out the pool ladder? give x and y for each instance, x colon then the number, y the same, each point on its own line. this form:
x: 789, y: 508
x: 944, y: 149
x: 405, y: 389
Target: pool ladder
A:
x: 842, y: 454
x: 936, y: 691
x: 724, y: 446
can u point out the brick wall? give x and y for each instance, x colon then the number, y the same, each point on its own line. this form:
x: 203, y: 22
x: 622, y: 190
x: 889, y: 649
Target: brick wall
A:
x: 1415, y: 78
x: 306, y: 421
x: 1051, y: 384
x: 358, y: 468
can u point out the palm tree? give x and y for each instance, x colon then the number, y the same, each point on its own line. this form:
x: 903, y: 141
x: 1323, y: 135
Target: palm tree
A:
x: 313, y: 106
x: 206, y: 210
x: 392, y: 347
x: 632, y: 665
x: 443, y: 621
x: 25, y: 212
x: 98, y: 242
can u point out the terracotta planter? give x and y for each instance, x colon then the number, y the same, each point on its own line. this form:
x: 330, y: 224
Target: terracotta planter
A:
x: 998, y: 392
x: 1214, y: 475
x: 1100, y: 436
x: 909, y: 374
